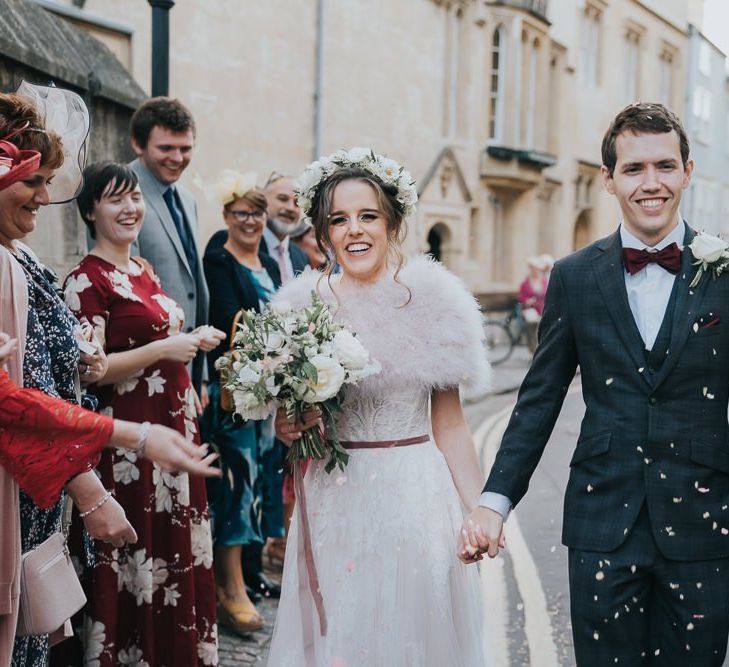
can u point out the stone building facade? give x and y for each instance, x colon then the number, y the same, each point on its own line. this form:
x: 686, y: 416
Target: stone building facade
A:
x: 706, y: 205
x: 40, y: 47
x: 497, y: 107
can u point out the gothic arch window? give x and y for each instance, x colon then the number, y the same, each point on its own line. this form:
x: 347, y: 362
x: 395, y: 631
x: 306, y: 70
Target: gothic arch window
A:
x: 438, y: 241
x: 496, y: 84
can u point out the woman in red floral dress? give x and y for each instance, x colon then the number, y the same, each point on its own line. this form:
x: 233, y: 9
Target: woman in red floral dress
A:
x: 153, y: 602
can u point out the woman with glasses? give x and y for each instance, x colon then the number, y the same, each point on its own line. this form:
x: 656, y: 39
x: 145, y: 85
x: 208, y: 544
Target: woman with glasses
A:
x: 238, y: 276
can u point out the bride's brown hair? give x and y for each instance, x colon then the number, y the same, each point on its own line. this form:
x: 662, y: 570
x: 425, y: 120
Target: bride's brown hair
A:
x: 386, y: 195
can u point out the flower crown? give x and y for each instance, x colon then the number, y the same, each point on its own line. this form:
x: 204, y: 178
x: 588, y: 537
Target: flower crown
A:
x: 386, y: 170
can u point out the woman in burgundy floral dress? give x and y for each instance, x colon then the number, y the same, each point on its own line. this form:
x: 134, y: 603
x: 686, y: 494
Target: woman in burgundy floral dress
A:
x: 153, y: 602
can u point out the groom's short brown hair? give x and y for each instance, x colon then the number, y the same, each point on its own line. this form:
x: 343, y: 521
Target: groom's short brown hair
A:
x: 642, y: 118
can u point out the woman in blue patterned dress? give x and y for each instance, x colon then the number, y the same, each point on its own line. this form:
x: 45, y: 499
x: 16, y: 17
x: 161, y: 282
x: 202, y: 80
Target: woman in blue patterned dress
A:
x: 240, y: 277
x: 52, y: 362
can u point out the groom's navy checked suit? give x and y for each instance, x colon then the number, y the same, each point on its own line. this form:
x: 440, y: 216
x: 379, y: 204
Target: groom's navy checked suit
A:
x: 649, y: 483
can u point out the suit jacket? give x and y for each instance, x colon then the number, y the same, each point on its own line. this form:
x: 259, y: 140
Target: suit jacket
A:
x: 659, y: 438
x: 299, y: 259
x: 231, y: 289
x: 160, y: 244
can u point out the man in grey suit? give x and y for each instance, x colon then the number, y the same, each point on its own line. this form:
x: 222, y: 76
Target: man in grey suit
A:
x: 163, y: 136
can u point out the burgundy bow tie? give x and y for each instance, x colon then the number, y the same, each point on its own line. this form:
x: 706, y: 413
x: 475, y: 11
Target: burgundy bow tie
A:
x: 669, y: 258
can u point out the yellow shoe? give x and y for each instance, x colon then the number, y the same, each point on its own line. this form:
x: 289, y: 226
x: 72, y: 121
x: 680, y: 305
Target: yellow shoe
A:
x: 240, y: 617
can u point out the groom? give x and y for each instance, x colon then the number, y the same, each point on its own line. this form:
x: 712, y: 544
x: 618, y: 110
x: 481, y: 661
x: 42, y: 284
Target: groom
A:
x: 646, y: 512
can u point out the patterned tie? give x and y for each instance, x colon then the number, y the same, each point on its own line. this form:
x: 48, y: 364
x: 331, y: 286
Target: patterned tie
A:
x: 283, y: 267
x: 172, y: 199
x: 669, y: 258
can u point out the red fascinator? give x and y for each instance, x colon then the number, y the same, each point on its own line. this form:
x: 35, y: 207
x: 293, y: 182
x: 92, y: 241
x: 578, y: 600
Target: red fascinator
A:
x: 16, y: 164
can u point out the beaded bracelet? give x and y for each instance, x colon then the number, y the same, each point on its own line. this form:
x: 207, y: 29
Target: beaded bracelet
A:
x: 103, y: 501
x: 142, y: 439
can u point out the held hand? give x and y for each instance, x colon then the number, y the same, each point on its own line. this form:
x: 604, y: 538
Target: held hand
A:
x: 287, y: 430
x: 209, y: 336
x: 7, y: 346
x: 93, y: 367
x: 109, y: 524
x: 175, y: 454
x: 482, y: 532
x: 180, y: 347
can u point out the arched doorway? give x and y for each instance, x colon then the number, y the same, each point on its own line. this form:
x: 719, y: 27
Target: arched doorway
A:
x: 438, y: 238
x: 583, y: 230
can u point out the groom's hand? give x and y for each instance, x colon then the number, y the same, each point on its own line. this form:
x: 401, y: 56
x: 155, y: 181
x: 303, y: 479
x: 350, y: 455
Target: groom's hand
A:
x: 482, y: 532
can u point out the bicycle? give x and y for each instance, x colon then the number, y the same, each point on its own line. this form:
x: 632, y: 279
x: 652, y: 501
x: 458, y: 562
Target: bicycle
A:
x: 501, y: 334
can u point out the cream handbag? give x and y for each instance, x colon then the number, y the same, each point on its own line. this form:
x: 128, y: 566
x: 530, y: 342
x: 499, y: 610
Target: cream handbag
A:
x: 50, y: 592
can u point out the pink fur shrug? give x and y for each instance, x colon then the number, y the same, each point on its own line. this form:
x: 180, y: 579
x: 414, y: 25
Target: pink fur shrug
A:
x: 434, y: 339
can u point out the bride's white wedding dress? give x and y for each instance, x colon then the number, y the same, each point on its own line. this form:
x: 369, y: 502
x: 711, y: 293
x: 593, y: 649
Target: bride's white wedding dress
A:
x: 384, y: 531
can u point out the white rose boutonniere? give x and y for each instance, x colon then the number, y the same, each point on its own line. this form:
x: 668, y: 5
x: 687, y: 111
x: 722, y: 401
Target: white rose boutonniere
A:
x: 710, y: 252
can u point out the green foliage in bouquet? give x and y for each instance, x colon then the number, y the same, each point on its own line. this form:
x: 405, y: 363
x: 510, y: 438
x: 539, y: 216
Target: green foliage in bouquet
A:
x: 296, y: 359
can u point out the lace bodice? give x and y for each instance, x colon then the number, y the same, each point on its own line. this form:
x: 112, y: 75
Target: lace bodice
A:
x: 401, y: 412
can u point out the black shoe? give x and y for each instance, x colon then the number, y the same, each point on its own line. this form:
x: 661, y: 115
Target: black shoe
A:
x: 262, y: 585
x: 255, y: 596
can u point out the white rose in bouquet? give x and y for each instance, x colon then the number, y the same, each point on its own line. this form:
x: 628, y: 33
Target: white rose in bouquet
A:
x: 330, y: 377
x: 708, y: 248
x: 271, y: 386
x: 350, y: 352
x: 274, y: 341
x: 249, y: 407
x: 248, y: 376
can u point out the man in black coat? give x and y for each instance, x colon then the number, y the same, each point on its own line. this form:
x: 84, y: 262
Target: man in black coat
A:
x: 283, y: 218
x: 646, y: 512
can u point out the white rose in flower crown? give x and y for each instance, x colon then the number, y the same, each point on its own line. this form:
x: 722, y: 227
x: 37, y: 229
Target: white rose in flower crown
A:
x: 389, y: 170
x: 350, y: 351
x: 358, y: 153
x: 330, y: 377
x: 707, y: 248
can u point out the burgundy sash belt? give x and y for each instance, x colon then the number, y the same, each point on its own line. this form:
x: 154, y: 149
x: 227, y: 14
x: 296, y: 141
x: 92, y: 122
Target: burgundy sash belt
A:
x: 305, y: 552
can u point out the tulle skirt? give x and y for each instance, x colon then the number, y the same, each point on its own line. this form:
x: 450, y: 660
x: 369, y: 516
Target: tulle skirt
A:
x: 384, y: 543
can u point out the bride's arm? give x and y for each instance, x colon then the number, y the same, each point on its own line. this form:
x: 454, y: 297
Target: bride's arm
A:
x: 454, y: 439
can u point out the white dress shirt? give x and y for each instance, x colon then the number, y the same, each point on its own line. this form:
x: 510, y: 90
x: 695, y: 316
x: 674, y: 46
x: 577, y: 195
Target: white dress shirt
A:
x: 649, y: 291
x: 279, y: 250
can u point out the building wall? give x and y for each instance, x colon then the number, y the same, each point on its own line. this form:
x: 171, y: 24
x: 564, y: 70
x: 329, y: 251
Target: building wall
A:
x: 707, y: 124
x: 412, y: 79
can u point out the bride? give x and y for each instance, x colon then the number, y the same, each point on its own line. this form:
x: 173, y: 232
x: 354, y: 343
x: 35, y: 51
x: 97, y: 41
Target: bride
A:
x: 370, y: 576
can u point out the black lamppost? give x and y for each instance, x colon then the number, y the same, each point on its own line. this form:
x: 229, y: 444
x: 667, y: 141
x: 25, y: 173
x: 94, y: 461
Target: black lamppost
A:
x: 161, y: 46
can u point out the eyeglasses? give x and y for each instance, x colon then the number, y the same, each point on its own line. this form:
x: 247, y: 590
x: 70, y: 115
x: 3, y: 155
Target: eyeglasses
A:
x: 245, y: 216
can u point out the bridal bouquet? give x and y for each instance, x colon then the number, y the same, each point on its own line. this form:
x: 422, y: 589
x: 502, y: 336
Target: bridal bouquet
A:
x: 295, y: 359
